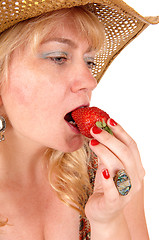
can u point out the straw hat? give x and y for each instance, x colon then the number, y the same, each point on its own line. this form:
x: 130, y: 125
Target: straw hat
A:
x: 122, y: 23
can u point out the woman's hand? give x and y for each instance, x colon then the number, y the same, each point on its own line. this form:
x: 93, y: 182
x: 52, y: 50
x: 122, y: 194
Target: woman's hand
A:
x: 114, y: 153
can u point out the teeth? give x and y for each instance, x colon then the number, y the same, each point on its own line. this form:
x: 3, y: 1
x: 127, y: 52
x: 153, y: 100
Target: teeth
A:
x: 72, y: 123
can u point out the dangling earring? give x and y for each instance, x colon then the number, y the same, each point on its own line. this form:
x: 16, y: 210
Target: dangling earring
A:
x: 2, y: 128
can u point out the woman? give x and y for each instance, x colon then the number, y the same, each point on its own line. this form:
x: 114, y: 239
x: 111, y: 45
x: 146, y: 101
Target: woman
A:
x: 50, y: 65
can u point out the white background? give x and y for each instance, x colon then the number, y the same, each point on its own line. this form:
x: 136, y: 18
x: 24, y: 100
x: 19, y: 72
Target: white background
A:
x: 129, y: 92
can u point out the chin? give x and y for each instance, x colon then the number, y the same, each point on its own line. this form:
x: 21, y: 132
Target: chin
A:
x: 66, y: 145
x: 74, y: 144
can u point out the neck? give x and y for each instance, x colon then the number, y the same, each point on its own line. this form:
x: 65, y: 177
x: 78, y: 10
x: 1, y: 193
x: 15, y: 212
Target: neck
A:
x: 20, y: 158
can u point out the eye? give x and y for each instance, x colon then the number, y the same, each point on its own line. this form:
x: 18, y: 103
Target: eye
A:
x: 91, y: 65
x: 90, y: 62
x: 58, y: 60
x: 57, y: 57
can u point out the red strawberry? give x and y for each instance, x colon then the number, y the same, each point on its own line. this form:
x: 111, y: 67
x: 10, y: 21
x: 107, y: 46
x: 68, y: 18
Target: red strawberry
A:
x: 87, y: 117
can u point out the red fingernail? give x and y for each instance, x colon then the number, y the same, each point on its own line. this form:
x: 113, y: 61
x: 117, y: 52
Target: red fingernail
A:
x: 94, y: 142
x: 112, y: 122
x: 96, y: 130
x: 106, y: 174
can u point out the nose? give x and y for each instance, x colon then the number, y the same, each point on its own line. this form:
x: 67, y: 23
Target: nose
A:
x: 83, y: 79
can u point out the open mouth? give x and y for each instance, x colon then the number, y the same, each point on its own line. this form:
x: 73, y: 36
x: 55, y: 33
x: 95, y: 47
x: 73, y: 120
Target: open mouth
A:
x: 68, y: 118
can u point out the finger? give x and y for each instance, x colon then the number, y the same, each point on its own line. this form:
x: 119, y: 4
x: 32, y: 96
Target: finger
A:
x: 122, y: 153
x: 103, y: 171
x: 104, y: 184
x: 111, y: 194
x: 106, y: 158
x: 124, y: 137
x: 119, y: 149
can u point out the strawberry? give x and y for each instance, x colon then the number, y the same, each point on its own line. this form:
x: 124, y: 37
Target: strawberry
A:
x: 87, y: 117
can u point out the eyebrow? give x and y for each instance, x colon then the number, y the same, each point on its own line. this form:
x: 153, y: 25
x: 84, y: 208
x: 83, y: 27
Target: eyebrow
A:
x: 67, y: 42
x: 64, y: 41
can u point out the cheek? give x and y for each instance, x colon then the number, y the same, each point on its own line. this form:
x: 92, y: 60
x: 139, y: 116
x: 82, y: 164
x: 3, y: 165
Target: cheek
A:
x: 32, y: 97
x: 29, y: 99
x: 20, y: 94
x: 19, y: 88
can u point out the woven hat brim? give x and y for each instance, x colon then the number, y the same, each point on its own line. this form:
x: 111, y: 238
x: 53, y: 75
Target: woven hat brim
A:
x: 122, y: 23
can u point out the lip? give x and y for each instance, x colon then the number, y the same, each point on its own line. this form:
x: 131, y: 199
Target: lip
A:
x: 74, y: 128
x: 84, y: 105
x: 80, y: 106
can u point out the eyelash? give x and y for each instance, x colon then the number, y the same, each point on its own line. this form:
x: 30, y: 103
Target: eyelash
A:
x: 58, y: 60
x: 91, y: 64
x: 62, y: 59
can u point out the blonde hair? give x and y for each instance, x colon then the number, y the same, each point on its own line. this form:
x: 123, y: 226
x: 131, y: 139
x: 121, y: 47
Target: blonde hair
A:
x: 67, y: 172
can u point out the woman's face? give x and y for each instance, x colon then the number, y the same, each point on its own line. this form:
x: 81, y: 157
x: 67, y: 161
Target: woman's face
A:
x: 42, y: 88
